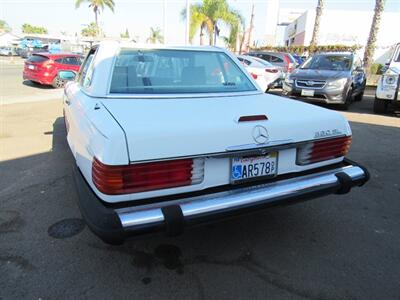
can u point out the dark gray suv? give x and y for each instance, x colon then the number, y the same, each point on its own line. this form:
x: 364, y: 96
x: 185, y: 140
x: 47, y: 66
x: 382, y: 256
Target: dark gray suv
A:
x: 333, y: 78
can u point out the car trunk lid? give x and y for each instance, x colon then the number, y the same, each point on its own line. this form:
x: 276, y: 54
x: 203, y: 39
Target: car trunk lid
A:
x: 179, y: 127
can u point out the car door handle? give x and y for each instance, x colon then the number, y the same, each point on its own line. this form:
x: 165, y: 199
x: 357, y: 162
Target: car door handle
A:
x: 67, y: 101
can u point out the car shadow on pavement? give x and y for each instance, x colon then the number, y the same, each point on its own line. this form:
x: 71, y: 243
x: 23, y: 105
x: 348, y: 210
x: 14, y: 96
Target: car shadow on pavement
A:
x: 37, y: 85
x: 322, y: 249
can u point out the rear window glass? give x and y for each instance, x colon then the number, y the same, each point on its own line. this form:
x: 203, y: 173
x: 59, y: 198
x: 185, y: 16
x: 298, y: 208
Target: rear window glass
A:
x: 37, y: 58
x: 397, y: 56
x: 263, y: 62
x: 163, y: 71
x: 276, y: 59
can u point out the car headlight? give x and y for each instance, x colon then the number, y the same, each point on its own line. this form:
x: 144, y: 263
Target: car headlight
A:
x: 337, y: 84
x: 288, y: 80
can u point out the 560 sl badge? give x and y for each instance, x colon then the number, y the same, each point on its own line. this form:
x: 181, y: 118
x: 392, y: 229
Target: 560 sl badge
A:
x: 325, y: 133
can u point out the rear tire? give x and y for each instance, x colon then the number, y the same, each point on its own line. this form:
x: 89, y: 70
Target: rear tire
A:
x: 380, y: 106
x: 359, y: 97
x: 58, y: 83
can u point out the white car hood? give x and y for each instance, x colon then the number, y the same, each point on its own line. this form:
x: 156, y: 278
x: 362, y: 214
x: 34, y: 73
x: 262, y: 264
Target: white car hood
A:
x: 167, y: 128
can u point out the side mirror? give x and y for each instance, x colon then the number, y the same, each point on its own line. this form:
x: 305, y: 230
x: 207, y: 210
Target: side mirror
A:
x: 67, y: 75
x: 387, y: 63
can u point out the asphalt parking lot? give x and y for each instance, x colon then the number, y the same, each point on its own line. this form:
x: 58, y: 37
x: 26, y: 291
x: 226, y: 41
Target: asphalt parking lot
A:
x: 336, y: 247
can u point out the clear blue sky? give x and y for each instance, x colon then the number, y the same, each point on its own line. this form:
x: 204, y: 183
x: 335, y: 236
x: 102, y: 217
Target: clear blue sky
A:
x: 139, y: 15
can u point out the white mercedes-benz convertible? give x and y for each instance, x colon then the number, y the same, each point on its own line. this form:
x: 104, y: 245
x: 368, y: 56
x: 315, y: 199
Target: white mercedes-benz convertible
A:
x: 166, y: 137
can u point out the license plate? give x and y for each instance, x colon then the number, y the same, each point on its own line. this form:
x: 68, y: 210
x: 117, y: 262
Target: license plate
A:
x: 244, y: 168
x: 31, y: 67
x: 307, y: 93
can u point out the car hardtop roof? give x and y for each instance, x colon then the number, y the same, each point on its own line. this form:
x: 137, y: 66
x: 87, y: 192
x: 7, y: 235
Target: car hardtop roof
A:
x: 249, y: 57
x: 264, y: 52
x: 56, y: 55
x: 131, y: 45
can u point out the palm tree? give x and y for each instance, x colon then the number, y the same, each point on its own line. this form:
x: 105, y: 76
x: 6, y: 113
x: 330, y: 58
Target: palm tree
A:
x: 97, y: 5
x: 370, y: 47
x: 155, y: 36
x: 205, y: 16
x: 318, y: 15
x: 237, y: 31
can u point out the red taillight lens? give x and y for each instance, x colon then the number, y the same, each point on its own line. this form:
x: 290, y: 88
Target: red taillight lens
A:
x: 48, y: 64
x: 115, y: 180
x: 271, y: 70
x: 253, y: 118
x: 254, y: 75
x: 289, y: 66
x: 323, y: 150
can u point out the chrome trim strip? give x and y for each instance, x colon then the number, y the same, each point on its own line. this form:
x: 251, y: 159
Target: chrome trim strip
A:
x: 310, y: 87
x: 141, y: 218
x: 183, y: 95
x: 151, y: 214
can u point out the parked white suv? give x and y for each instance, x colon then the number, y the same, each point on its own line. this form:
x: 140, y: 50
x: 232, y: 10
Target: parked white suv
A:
x: 165, y: 137
x: 387, y: 91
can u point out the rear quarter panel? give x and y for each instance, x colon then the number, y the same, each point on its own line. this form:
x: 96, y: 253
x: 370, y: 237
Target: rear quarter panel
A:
x: 92, y: 132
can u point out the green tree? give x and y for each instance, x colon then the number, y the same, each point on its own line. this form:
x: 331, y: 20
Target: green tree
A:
x: 205, y: 17
x: 91, y: 30
x: 4, y: 27
x: 125, y: 35
x: 155, y: 36
x: 317, y: 22
x: 28, y: 28
x: 370, y: 47
x: 236, y: 31
x: 97, y: 6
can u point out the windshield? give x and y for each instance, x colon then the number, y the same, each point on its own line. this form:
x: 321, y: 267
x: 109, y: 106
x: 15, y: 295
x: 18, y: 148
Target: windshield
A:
x: 328, y: 62
x: 158, y: 71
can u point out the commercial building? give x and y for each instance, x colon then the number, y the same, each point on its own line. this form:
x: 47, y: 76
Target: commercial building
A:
x: 8, y: 39
x: 344, y: 27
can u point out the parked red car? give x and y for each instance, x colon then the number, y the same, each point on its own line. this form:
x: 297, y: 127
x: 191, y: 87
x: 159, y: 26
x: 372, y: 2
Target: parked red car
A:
x: 43, y: 67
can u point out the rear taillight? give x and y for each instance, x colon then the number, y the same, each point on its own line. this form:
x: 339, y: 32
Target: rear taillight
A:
x: 48, y: 64
x: 289, y: 65
x: 325, y: 149
x: 255, y: 76
x: 115, y: 180
x: 271, y: 70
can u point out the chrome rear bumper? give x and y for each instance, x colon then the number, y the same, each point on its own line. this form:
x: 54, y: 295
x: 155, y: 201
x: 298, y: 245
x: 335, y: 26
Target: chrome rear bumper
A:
x: 174, y: 214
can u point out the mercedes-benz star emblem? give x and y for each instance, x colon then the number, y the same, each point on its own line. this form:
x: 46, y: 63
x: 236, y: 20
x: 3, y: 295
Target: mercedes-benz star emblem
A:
x: 260, y: 134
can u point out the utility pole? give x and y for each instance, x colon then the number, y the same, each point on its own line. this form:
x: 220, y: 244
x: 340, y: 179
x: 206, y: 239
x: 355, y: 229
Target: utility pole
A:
x: 250, y: 29
x: 187, y: 22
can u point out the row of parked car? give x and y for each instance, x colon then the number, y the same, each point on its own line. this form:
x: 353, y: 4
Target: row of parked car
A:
x: 331, y: 78
x: 334, y: 78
